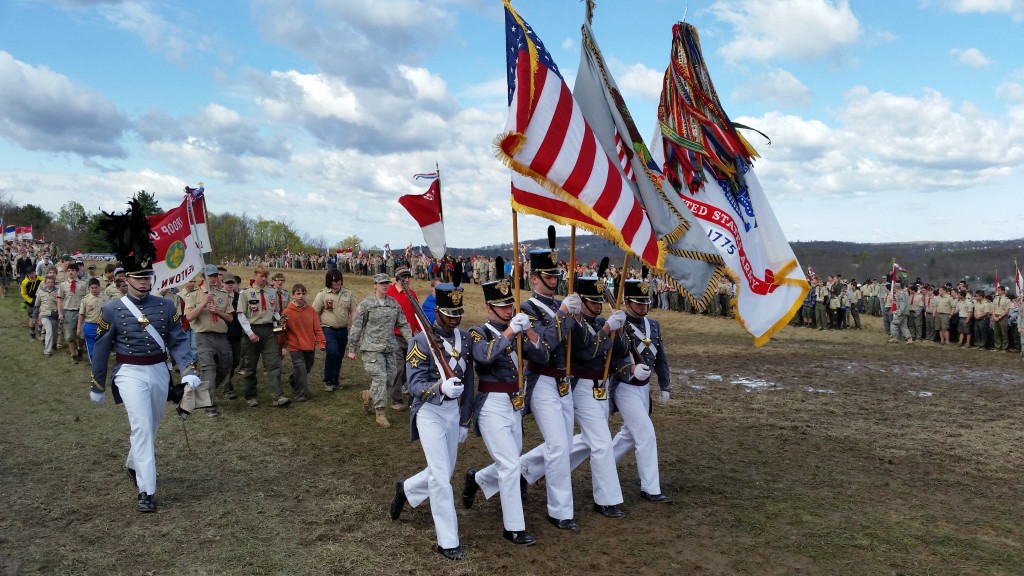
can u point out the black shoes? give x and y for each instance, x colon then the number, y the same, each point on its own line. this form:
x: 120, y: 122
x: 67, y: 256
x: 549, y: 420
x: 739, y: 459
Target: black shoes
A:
x: 470, y: 488
x: 523, y: 485
x: 450, y: 553
x: 609, y: 511
x: 518, y: 538
x: 654, y: 497
x: 398, y: 502
x: 566, y: 524
x: 132, y: 476
x: 146, y: 503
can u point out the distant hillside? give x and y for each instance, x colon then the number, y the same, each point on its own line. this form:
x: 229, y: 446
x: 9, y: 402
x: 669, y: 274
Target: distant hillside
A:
x: 932, y: 262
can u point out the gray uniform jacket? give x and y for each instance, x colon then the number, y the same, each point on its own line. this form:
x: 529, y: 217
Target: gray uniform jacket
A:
x: 492, y: 356
x: 553, y: 333
x: 119, y: 331
x: 652, y: 353
x: 424, y: 378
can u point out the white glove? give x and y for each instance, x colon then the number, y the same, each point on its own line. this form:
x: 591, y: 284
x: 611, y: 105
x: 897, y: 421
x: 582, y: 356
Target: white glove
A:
x: 463, y: 434
x: 665, y: 395
x: 191, y: 380
x: 520, y: 323
x: 573, y: 303
x: 97, y: 397
x: 616, y: 320
x: 642, y: 372
x: 452, y: 387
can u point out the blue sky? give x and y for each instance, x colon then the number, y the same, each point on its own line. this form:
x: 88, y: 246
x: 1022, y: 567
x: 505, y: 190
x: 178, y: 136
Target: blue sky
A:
x: 890, y: 121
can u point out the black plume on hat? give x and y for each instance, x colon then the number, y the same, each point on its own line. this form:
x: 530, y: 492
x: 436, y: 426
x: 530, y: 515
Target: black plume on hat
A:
x: 128, y: 236
x: 499, y: 268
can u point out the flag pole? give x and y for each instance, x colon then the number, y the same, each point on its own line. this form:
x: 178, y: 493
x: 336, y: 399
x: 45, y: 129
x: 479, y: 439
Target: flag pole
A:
x: 571, y: 287
x: 190, y: 200
x: 621, y: 289
x: 517, y: 399
x: 892, y: 286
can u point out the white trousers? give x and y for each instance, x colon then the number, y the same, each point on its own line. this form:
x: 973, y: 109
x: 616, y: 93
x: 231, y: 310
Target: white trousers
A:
x: 637, y: 432
x: 50, y: 326
x: 554, y: 416
x: 596, y: 440
x: 438, y: 427
x: 143, y: 390
x: 501, y: 427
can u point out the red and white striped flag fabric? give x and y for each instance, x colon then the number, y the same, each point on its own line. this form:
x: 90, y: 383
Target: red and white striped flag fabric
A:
x: 426, y: 210
x: 627, y: 168
x: 547, y: 139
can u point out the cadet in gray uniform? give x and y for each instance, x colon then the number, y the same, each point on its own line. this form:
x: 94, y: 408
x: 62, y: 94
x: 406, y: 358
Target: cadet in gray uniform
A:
x: 498, y: 415
x: 373, y: 335
x: 548, y: 392
x: 589, y: 399
x: 631, y: 393
x: 441, y: 410
x: 142, y: 330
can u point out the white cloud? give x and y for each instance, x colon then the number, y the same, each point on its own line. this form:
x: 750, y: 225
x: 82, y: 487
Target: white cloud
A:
x: 158, y: 34
x: 798, y: 29
x: 637, y: 80
x: 777, y: 87
x: 883, y: 142
x: 1012, y: 89
x: 1015, y: 8
x: 971, y: 57
x: 44, y: 110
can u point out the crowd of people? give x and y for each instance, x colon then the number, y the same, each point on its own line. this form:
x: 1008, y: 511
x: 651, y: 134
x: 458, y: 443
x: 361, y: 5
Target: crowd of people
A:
x: 945, y: 314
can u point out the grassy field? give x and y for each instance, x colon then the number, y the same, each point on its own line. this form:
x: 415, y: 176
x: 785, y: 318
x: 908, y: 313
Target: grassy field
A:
x: 820, y: 453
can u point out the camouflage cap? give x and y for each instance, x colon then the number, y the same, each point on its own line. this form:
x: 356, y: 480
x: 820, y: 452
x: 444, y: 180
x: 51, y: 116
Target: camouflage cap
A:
x: 381, y: 279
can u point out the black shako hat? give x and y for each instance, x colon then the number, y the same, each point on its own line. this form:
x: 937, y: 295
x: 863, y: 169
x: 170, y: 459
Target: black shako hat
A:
x: 590, y: 288
x: 499, y: 292
x: 638, y: 291
x: 449, y: 299
x: 543, y: 261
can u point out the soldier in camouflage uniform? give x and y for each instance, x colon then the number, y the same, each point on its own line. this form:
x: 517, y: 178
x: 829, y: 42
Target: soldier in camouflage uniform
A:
x: 373, y: 335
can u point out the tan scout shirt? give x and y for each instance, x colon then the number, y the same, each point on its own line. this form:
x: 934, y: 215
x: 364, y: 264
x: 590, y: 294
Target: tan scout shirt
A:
x: 944, y: 304
x: 111, y: 292
x: 258, y: 305
x: 89, y: 309
x: 1000, y: 307
x: 72, y: 299
x: 47, y: 302
x: 205, y: 321
x: 334, y: 308
x: 965, y: 308
x: 982, y: 308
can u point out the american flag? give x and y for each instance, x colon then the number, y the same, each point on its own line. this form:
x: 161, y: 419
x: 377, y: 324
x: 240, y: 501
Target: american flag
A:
x: 547, y: 139
x: 623, y: 157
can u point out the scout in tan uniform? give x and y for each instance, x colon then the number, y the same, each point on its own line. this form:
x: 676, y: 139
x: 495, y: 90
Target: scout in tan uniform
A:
x: 112, y: 290
x: 209, y: 311
x: 1001, y: 305
x: 964, y: 310
x: 256, y: 312
x: 333, y: 304
x: 982, y: 313
x: 69, y: 300
x: 943, y: 308
x: 89, y: 315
